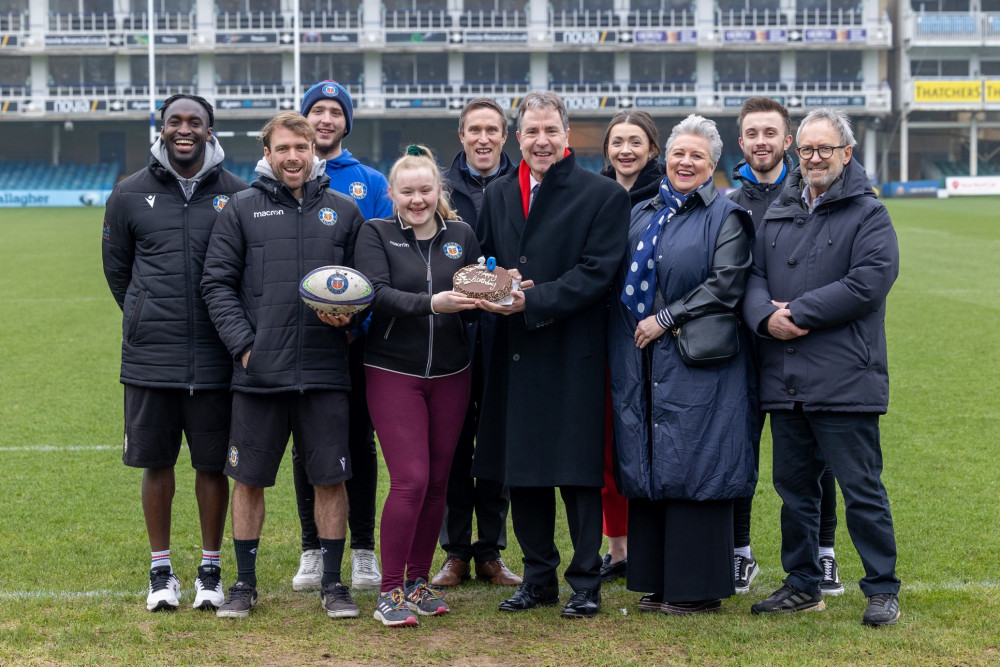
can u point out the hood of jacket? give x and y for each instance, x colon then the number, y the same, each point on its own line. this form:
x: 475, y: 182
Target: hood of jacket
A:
x: 160, y: 165
x: 342, y: 161
x: 852, y: 182
x: 277, y: 190
x: 740, y: 177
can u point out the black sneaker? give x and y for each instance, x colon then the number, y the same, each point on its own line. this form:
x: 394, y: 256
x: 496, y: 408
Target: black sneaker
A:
x: 336, y: 599
x: 746, y: 571
x: 788, y: 599
x: 241, y: 599
x: 830, y: 584
x: 882, y: 609
x: 610, y: 572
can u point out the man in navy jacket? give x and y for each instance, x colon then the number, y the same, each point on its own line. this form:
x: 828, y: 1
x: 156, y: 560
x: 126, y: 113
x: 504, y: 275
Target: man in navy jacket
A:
x: 826, y: 257
x: 482, y: 129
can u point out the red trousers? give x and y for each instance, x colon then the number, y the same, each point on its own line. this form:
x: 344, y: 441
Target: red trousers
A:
x: 615, y: 504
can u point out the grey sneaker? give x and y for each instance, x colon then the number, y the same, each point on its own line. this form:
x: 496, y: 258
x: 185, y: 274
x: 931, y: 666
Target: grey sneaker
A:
x: 164, y: 590
x: 337, y: 601
x: 882, y: 609
x: 830, y: 584
x: 241, y: 599
x: 425, y: 600
x: 746, y: 571
x: 364, y: 570
x: 391, y: 609
x: 788, y: 599
x: 310, y: 574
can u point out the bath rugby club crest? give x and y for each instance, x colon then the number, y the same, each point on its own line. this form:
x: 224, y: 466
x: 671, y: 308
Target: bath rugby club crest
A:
x: 220, y: 202
x: 330, y: 90
x: 234, y: 456
x: 337, y: 283
x: 358, y: 190
x: 327, y: 216
x: 452, y: 250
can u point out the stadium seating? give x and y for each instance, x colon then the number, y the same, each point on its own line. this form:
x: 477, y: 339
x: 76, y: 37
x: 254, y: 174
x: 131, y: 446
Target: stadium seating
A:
x: 17, y: 175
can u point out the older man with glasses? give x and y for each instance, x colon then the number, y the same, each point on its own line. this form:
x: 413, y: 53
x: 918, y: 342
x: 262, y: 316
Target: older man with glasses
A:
x: 826, y: 257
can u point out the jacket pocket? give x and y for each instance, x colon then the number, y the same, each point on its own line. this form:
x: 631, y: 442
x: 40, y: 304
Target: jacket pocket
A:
x: 257, y: 267
x: 389, y: 328
x: 861, y: 346
x: 133, y: 322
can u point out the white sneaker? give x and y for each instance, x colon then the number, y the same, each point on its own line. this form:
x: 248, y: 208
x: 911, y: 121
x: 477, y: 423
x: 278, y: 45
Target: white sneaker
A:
x: 364, y: 570
x: 208, y: 588
x: 310, y: 574
x: 164, y: 590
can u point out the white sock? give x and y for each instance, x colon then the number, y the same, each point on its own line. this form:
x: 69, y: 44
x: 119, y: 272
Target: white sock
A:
x: 826, y: 551
x: 210, y: 557
x: 743, y: 551
x: 161, y: 559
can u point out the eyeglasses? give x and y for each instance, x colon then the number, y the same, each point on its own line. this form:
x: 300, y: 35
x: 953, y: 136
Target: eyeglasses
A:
x: 825, y: 152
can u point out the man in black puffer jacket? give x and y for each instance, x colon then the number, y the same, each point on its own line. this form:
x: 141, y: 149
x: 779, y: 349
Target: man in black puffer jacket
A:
x: 174, y: 367
x: 290, y: 368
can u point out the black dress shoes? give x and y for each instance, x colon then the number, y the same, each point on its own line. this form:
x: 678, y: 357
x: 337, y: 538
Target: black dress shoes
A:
x: 529, y: 596
x: 584, y: 603
x: 611, y: 572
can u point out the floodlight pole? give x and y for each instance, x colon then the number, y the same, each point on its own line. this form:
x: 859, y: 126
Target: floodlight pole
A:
x: 296, y: 52
x: 151, y: 22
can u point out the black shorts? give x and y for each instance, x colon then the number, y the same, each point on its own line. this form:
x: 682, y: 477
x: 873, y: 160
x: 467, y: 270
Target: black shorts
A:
x: 317, y: 420
x: 156, y: 417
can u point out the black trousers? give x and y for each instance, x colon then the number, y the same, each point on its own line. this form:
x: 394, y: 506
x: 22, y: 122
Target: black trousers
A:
x: 533, y: 510
x: 743, y: 507
x: 681, y: 548
x: 485, y: 498
x: 362, y: 486
x: 849, y: 444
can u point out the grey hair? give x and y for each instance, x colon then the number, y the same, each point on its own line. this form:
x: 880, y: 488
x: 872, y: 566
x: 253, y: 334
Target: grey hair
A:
x: 537, y: 100
x: 700, y: 127
x: 837, y: 118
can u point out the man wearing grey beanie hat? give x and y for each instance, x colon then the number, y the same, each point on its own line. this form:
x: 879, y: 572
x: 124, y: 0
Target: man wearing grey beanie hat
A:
x: 330, y: 110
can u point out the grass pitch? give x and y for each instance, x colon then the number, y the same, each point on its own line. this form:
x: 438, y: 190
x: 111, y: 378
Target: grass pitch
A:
x: 74, y: 555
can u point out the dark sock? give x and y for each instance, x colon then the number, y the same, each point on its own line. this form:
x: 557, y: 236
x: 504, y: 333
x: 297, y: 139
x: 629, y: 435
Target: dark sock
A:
x: 246, y: 561
x: 333, y: 554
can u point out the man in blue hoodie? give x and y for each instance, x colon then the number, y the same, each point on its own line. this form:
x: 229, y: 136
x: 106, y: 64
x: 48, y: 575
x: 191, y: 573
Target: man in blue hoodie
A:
x: 329, y: 109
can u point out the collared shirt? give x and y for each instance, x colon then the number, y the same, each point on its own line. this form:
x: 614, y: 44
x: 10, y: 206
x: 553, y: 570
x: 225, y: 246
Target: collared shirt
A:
x: 811, y: 205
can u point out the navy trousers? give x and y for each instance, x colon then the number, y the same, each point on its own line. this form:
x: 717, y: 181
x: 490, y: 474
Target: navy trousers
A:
x: 805, y: 442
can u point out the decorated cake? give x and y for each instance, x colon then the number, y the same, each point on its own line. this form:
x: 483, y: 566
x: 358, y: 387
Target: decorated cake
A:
x: 479, y: 282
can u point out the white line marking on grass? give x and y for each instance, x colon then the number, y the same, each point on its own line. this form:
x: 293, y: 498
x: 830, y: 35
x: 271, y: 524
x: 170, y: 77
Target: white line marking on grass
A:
x: 59, y: 448
x: 65, y: 595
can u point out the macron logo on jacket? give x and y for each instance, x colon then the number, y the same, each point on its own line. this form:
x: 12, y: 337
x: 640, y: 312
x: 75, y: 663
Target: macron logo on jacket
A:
x: 150, y: 199
x: 264, y: 214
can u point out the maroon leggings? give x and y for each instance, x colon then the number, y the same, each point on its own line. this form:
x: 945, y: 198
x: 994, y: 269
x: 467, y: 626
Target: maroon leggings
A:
x: 418, y: 422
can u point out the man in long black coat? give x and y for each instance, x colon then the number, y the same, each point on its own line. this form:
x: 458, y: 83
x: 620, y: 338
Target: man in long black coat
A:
x: 542, y: 420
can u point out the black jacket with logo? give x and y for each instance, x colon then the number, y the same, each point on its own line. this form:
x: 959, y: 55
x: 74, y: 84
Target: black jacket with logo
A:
x: 262, y: 246
x: 405, y: 336
x: 153, y: 250
x: 467, y: 188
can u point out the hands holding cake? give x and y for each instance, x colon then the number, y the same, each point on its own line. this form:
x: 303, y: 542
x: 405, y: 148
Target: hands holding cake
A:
x: 491, y: 287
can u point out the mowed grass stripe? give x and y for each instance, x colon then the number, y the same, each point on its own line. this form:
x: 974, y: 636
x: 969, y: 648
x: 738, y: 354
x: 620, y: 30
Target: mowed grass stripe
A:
x: 72, y: 524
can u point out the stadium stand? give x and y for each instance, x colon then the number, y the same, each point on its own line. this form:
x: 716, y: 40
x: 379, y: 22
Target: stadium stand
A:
x: 18, y: 175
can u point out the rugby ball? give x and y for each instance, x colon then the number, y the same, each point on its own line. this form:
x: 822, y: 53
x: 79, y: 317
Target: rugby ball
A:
x: 337, y: 290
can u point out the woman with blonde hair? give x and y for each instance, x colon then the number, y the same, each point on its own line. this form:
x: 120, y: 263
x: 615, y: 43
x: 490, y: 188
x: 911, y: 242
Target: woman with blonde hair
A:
x: 417, y: 370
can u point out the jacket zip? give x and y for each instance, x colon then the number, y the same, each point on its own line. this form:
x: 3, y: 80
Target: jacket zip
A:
x: 430, y: 290
x: 301, y: 306
x: 190, y: 289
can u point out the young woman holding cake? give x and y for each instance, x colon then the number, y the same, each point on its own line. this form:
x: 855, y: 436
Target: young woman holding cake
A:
x: 417, y: 370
